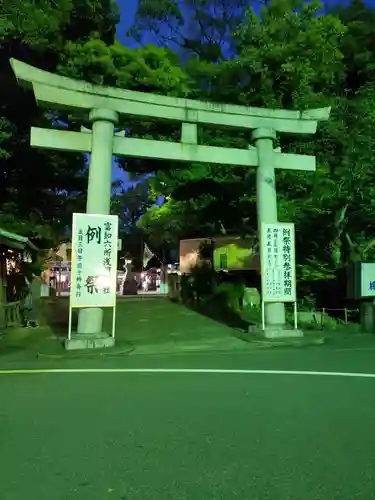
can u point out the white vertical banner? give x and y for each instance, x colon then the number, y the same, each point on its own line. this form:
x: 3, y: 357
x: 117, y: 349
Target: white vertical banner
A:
x: 94, y: 260
x: 147, y: 255
x: 278, y: 262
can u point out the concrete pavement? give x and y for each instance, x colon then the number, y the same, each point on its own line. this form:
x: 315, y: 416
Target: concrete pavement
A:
x: 152, y: 326
x: 198, y: 436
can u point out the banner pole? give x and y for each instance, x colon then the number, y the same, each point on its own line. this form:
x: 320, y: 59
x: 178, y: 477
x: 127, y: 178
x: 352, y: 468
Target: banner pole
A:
x: 114, y: 321
x: 263, y: 317
x: 70, y: 322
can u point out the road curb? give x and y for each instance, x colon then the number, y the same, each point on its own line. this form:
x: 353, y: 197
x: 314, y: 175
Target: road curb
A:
x: 234, y: 345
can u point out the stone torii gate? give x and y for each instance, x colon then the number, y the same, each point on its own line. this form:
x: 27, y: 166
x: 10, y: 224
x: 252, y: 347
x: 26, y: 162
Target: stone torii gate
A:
x: 104, y: 106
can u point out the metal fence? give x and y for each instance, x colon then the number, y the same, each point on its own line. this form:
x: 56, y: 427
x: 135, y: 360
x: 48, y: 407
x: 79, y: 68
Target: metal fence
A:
x: 344, y: 315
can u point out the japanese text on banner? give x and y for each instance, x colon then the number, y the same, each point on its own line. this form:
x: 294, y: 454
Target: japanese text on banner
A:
x: 278, y: 267
x: 94, y: 252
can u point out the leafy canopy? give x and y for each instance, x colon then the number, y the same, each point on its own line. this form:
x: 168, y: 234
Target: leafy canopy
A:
x: 289, y: 55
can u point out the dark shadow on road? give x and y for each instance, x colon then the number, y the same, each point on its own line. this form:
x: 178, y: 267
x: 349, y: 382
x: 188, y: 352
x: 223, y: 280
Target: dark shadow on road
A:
x: 222, y: 315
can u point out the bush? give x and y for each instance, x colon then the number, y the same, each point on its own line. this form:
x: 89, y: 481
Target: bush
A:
x: 186, y: 289
x: 232, y: 295
x: 202, y: 281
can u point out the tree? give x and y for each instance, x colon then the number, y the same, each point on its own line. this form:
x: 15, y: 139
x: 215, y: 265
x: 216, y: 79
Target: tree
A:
x: 74, y: 38
x: 243, y: 79
x: 358, y: 42
x: 130, y: 205
x: 39, y: 189
x: 293, y: 56
x: 195, y: 28
x: 146, y: 69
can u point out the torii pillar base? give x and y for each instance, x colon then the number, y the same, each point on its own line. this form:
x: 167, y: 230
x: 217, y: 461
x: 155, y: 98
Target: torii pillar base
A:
x: 80, y: 341
x: 275, y: 332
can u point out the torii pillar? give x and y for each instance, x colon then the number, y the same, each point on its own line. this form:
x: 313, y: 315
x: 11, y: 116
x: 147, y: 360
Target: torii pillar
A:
x: 267, y: 208
x: 99, y: 189
x: 103, y: 107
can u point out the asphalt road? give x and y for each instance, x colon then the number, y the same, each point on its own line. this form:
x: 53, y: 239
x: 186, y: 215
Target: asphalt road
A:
x: 196, y: 436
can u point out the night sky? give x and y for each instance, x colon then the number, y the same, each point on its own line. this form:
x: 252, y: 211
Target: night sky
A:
x: 127, y: 12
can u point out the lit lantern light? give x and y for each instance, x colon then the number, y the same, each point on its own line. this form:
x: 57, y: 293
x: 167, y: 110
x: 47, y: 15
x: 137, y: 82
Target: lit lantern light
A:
x: 27, y: 257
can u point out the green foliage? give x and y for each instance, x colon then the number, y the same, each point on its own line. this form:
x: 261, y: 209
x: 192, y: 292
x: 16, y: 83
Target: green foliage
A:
x: 164, y: 224
x: 287, y: 57
x: 205, y: 287
x: 130, y: 205
x: 39, y: 190
x: 291, y: 55
x: 146, y: 69
x: 314, y: 270
x: 46, y: 26
x: 201, y: 29
x: 231, y: 295
x: 5, y: 135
